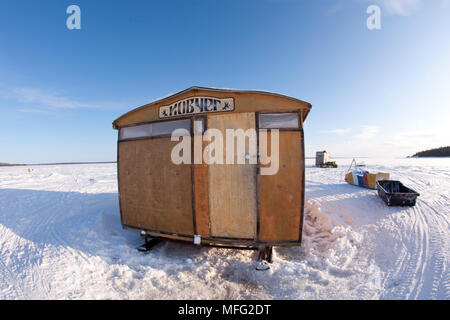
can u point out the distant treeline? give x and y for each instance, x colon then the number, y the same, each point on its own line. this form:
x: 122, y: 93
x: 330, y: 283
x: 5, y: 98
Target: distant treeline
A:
x: 2, y: 164
x: 438, y: 152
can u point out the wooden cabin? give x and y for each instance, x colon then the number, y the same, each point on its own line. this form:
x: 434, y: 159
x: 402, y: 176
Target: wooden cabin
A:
x: 322, y: 157
x: 210, y: 203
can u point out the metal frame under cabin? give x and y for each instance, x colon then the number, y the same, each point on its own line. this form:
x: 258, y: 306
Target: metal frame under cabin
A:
x: 214, y: 240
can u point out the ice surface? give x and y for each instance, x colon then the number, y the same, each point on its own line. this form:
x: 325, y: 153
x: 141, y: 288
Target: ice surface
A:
x: 61, y: 238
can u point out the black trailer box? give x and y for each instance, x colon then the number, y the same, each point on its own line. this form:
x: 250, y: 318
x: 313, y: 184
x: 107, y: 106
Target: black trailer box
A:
x: 394, y: 193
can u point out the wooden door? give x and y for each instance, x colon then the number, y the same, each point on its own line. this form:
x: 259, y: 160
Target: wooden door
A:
x: 232, y: 187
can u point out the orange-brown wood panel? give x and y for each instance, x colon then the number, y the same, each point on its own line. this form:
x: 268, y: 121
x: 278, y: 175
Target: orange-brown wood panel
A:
x: 155, y: 193
x: 281, y: 195
x: 201, y: 199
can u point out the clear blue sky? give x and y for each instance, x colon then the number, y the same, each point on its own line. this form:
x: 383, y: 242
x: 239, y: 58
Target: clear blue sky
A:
x: 374, y: 93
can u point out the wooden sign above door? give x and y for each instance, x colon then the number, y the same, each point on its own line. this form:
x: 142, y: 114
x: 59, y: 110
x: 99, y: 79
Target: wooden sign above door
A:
x: 196, y: 105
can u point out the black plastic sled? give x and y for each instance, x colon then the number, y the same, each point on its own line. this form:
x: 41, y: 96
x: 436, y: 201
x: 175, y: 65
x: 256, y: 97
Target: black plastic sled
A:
x: 394, y: 193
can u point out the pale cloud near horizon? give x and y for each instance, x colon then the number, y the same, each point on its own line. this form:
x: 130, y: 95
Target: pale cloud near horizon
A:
x: 35, y: 100
x: 399, y: 7
x: 336, y: 131
x: 372, y: 141
x: 392, y: 7
x: 34, y: 111
x: 53, y: 100
x: 413, y: 139
x: 367, y: 132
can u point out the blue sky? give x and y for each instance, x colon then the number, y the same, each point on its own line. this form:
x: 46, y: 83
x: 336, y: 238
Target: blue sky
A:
x: 374, y: 92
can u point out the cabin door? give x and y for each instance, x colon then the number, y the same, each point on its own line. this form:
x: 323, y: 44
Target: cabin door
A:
x: 232, y: 187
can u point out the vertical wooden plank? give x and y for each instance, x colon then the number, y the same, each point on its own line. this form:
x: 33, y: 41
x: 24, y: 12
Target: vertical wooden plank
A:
x: 201, y: 199
x: 258, y: 172
x: 281, y: 194
x: 232, y: 187
x: 302, y: 205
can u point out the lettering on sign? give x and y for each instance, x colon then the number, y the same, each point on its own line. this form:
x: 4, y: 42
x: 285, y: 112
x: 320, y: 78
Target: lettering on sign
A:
x: 196, y: 105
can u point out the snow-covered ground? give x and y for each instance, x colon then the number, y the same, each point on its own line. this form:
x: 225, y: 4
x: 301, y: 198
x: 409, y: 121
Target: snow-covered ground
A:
x: 61, y: 238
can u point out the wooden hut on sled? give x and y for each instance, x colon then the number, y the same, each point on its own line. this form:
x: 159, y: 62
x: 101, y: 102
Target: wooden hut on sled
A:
x: 242, y: 204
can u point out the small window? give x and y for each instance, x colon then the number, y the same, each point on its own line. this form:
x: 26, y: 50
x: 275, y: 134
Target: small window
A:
x: 157, y: 129
x: 135, y: 132
x: 279, y: 121
x: 166, y: 128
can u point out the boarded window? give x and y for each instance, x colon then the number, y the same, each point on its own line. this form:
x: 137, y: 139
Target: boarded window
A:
x: 157, y: 129
x: 279, y: 121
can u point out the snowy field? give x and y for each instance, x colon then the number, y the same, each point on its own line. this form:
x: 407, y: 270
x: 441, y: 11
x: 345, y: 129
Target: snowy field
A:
x: 61, y: 238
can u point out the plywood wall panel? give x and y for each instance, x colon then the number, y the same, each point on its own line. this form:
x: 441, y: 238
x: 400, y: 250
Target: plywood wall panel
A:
x: 281, y: 195
x: 154, y: 193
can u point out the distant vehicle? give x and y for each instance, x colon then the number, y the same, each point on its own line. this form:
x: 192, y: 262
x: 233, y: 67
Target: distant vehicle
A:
x: 329, y: 164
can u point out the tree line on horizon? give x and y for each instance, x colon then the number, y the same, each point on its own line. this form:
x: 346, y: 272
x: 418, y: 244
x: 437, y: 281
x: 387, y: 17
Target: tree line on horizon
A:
x: 437, y: 152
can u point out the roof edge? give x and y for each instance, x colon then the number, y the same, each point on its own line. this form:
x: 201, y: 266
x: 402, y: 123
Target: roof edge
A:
x: 193, y: 88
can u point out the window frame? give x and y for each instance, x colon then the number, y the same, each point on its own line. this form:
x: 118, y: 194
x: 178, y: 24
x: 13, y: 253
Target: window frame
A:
x: 151, y: 136
x: 297, y: 112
